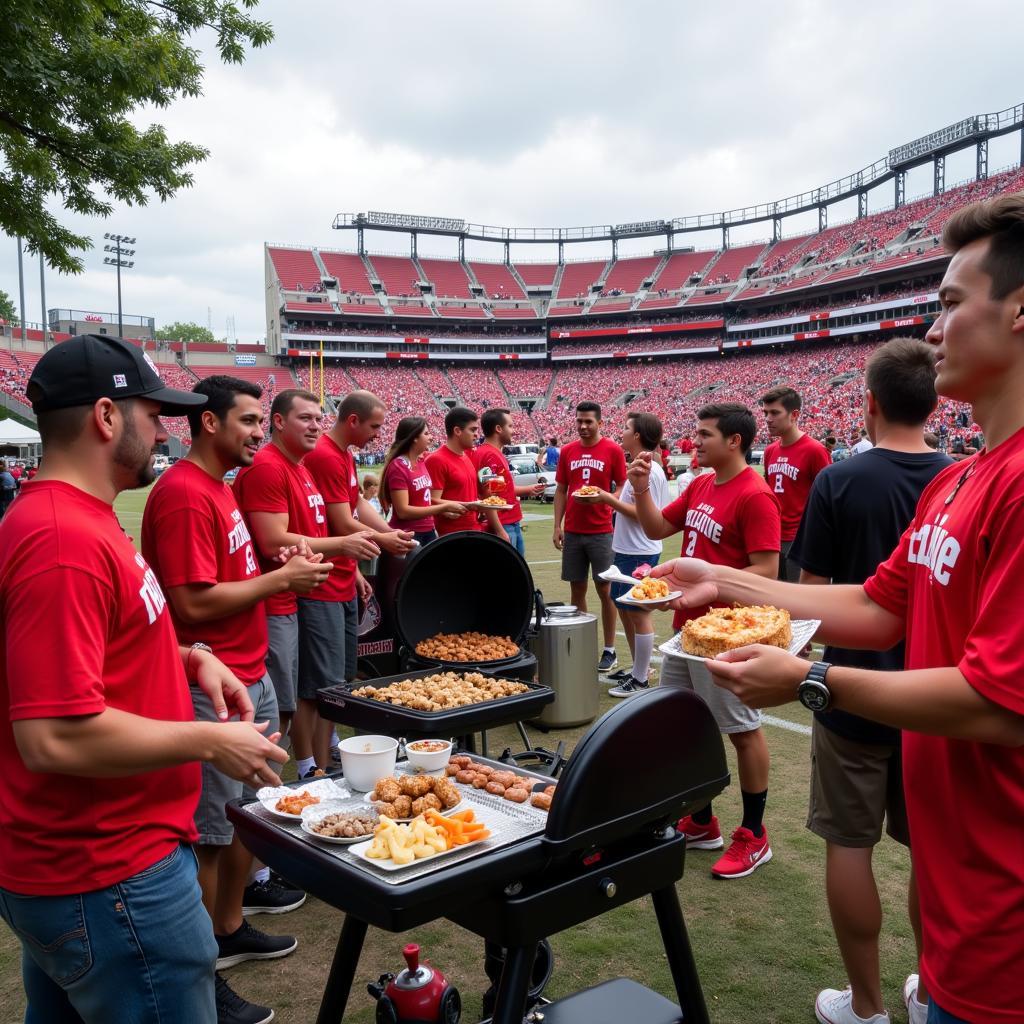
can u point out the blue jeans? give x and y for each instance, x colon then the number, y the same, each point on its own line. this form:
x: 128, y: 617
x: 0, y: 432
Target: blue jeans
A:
x: 515, y: 537
x: 937, y: 1015
x: 140, y: 951
x: 626, y: 564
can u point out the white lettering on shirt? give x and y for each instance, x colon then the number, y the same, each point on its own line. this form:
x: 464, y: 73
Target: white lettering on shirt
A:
x: 238, y: 536
x: 699, y: 519
x: 152, y: 596
x: 785, y: 468
x: 934, y: 547
x: 587, y: 462
x: 316, y: 503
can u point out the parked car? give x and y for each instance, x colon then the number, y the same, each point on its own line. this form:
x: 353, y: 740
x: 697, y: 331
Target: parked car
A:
x: 513, y: 450
x: 526, y: 474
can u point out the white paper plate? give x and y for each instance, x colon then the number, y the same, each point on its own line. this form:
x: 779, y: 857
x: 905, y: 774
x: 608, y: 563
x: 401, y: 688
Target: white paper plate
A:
x: 585, y: 497
x: 325, y: 789
x: 803, y: 630
x: 360, y: 849
x: 670, y: 596
x: 480, y: 506
x: 316, y: 812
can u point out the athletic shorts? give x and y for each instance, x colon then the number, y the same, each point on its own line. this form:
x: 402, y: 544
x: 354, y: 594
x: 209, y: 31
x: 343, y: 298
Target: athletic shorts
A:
x: 731, y: 714
x: 585, y: 551
x: 626, y: 564
x: 283, y: 659
x: 211, y: 819
x: 327, y: 644
x: 854, y: 788
x: 789, y: 571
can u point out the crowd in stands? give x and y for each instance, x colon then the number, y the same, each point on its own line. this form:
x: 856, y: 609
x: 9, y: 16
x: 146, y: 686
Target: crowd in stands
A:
x: 641, y: 343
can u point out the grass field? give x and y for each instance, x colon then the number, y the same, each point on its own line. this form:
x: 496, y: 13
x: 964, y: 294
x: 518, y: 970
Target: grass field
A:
x: 764, y: 945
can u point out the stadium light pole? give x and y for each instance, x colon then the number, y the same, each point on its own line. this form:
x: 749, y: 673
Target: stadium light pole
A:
x: 21, y: 292
x: 118, y: 260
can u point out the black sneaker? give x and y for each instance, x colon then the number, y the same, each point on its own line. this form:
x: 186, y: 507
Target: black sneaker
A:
x: 270, y: 898
x: 617, y: 677
x: 250, y: 944
x: 233, y: 1009
x: 628, y: 688
x: 608, y: 661
x: 315, y: 773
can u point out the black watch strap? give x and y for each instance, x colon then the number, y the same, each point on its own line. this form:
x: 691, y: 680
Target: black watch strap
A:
x: 813, y: 692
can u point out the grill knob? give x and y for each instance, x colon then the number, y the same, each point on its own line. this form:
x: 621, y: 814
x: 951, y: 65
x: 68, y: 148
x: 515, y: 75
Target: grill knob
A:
x: 608, y: 887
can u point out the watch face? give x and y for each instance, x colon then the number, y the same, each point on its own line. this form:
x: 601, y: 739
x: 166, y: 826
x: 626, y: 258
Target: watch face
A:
x: 814, y: 696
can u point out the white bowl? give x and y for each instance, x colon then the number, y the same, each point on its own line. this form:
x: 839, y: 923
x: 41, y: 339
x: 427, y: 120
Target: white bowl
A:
x: 428, y: 760
x: 365, y: 759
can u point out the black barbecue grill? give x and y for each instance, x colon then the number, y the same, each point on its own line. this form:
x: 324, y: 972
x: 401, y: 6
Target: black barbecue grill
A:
x: 608, y: 840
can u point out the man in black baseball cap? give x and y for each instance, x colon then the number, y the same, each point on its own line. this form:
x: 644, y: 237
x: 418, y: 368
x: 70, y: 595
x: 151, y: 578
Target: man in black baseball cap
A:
x: 88, y: 367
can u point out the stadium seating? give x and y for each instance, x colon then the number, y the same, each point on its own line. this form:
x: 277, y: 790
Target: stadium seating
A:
x: 398, y: 274
x: 296, y: 268
x: 537, y: 275
x: 578, y: 277
x: 448, y: 277
x: 349, y: 271
x: 731, y: 263
x: 497, y: 281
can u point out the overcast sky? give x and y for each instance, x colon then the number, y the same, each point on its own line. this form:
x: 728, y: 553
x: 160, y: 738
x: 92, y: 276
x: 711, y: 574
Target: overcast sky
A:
x: 559, y: 113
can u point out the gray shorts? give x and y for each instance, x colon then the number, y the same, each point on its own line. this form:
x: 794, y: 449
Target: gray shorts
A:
x: 283, y: 659
x: 731, y: 714
x: 855, y: 787
x: 211, y: 819
x: 789, y: 571
x: 328, y: 636
x: 583, y: 551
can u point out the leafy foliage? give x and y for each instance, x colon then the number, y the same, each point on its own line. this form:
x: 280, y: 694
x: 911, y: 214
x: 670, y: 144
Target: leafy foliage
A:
x: 73, y: 74
x: 179, y: 331
x: 8, y: 311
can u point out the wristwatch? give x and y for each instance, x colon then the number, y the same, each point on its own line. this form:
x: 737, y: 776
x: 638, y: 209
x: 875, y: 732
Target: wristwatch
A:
x: 813, y: 692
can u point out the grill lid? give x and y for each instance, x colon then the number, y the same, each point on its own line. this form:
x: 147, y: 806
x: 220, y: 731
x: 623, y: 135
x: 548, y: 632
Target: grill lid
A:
x: 464, y: 582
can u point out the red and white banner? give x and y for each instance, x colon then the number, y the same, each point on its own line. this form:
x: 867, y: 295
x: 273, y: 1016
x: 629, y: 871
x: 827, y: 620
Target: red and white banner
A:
x: 805, y: 335
x: 745, y: 343
x: 509, y: 355
x: 406, y: 355
x: 416, y: 341
x: 903, y: 321
x: 625, y: 330
x: 819, y: 316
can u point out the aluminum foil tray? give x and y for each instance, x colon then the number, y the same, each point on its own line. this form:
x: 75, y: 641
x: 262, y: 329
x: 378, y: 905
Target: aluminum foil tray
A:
x: 803, y: 630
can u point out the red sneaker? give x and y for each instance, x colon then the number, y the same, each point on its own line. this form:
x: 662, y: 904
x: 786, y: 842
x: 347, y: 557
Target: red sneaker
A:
x: 701, y: 837
x: 745, y: 855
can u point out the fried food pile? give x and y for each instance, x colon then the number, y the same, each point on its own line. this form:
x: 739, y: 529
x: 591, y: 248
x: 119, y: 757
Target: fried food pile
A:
x: 495, y: 500
x: 467, y: 647
x: 345, y: 826
x: 505, y: 784
x: 442, y: 691
x: 724, y: 629
x: 412, y: 795
x: 649, y: 589
x: 587, y: 491
x: 294, y: 802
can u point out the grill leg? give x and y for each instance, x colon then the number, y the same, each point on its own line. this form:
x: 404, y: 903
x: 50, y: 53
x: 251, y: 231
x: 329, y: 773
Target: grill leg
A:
x: 343, y: 971
x: 514, y: 986
x: 680, y: 955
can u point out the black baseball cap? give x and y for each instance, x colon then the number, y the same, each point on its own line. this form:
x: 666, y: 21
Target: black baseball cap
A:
x: 88, y: 367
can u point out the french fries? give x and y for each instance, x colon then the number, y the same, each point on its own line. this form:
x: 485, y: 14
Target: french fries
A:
x: 425, y: 836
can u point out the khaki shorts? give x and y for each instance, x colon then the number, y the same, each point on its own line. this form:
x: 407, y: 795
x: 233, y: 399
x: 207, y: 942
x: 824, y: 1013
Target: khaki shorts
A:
x: 731, y: 714
x: 854, y: 788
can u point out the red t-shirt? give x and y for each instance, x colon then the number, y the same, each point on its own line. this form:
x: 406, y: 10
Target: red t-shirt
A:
x: 724, y: 523
x: 334, y: 472
x: 402, y: 475
x: 85, y: 628
x: 491, y: 457
x: 603, y: 465
x: 273, y: 483
x: 957, y: 579
x: 455, y: 476
x: 790, y: 470
x: 193, y: 532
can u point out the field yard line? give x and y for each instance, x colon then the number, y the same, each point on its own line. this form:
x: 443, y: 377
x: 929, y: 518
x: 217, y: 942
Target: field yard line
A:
x: 782, y: 723
x: 546, y: 561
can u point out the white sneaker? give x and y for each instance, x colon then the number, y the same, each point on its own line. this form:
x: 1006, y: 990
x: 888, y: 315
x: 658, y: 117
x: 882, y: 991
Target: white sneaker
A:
x: 917, y: 1013
x: 834, y: 1007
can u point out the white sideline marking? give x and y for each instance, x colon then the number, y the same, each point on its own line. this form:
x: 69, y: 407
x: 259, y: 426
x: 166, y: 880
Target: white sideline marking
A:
x: 783, y: 723
x: 546, y: 561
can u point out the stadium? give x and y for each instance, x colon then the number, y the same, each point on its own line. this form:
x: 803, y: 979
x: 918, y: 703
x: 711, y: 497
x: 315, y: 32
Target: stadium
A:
x: 671, y: 324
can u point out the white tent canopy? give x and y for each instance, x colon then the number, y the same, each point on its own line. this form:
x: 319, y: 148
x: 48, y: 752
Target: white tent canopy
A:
x: 13, y: 432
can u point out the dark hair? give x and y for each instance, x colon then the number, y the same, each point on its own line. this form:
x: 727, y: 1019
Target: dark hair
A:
x: 361, y: 404
x: 284, y: 400
x: 590, y: 407
x: 220, y: 391
x: 458, y: 417
x: 492, y: 419
x: 1001, y: 221
x: 408, y: 429
x: 553, y: 441
x: 788, y: 398
x: 733, y: 418
x: 61, y: 427
x: 649, y: 427
x: 901, y: 376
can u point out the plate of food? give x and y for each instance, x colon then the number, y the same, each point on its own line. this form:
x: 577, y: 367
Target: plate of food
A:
x: 289, y: 802
x: 499, y: 782
x: 725, y: 629
x: 494, y: 502
x: 341, y: 823
x: 649, y: 591
x: 588, y: 493
x: 396, y: 845
x: 408, y: 796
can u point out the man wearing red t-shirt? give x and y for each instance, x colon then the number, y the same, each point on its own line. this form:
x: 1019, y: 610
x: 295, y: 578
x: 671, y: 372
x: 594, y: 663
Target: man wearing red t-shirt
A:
x: 585, y: 538
x: 328, y: 626
x: 952, y: 589
x: 791, y: 463
x: 98, y: 755
x: 194, y: 536
x: 284, y: 509
x: 729, y: 517
x: 453, y: 473
x: 498, y: 429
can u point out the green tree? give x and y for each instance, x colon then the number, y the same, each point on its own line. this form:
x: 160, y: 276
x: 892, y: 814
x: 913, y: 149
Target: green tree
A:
x: 72, y: 76
x: 184, y: 332
x: 8, y: 311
